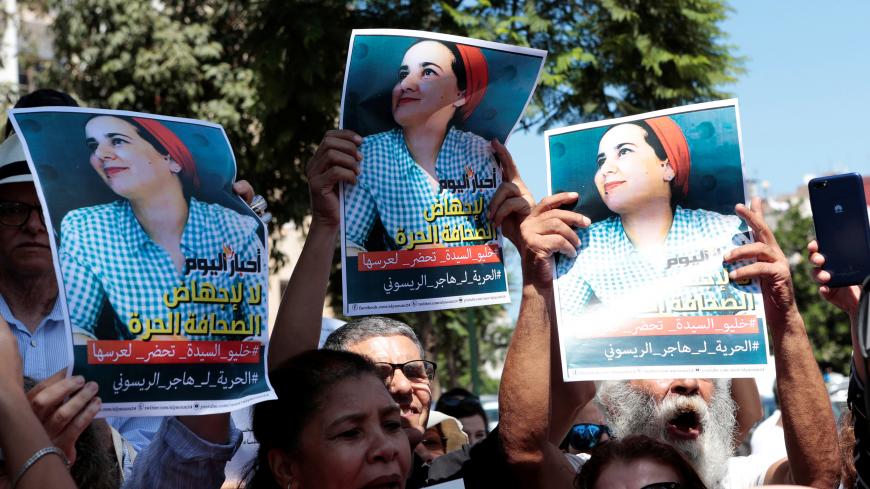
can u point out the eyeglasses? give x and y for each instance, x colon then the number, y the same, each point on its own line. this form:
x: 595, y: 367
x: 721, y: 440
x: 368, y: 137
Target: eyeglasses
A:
x: 586, y: 436
x: 15, y: 214
x: 418, y: 371
x: 663, y: 485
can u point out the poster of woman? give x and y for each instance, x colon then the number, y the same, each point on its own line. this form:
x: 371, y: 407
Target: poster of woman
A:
x: 648, y: 287
x: 415, y: 235
x: 163, y: 268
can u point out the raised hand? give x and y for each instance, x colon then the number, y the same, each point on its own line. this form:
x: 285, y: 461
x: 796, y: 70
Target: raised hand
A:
x: 65, y: 407
x: 546, y: 231
x: 845, y: 298
x: 337, y: 159
x: 512, y: 201
x: 771, y: 265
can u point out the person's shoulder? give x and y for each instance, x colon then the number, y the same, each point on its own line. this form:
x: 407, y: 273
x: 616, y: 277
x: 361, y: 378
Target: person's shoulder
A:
x: 708, y: 219
x: 223, y: 217
x: 381, y: 140
x: 470, y: 142
x: 93, y: 218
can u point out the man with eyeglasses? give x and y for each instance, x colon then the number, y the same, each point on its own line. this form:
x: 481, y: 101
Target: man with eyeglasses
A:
x: 392, y: 345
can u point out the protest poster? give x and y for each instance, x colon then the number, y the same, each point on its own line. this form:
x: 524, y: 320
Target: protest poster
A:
x: 648, y: 294
x: 415, y: 234
x: 162, y: 269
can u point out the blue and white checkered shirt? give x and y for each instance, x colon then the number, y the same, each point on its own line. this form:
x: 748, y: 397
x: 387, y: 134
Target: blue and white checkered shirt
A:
x: 393, y: 186
x: 105, y: 253
x: 608, y: 268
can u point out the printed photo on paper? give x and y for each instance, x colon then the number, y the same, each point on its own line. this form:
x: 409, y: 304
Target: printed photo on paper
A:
x: 648, y: 288
x: 163, y: 268
x: 415, y: 233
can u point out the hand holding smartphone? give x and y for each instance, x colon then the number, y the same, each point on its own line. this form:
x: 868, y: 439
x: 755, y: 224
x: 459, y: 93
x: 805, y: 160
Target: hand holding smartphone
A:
x: 842, y: 227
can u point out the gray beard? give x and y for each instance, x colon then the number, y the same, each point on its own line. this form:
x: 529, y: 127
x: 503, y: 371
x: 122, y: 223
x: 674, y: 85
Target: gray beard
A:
x: 632, y: 411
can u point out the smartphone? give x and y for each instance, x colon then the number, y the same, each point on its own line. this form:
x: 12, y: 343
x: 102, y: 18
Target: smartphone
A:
x: 839, y: 210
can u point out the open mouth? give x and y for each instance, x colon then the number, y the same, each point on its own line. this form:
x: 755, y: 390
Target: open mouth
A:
x: 686, y: 425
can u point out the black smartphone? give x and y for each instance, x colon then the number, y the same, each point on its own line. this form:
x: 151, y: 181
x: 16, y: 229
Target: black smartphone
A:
x: 839, y: 210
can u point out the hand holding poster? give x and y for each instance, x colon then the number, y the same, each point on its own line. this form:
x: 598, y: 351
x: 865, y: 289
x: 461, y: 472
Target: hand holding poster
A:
x: 162, y: 267
x: 648, y: 288
x: 415, y: 231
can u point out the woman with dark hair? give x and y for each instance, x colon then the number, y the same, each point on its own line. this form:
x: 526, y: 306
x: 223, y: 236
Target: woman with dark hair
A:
x: 466, y: 407
x: 334, y: 425
x: 637, y: 462
x: 426, y: 160
x: 653, y: 245
x: 134, y: 251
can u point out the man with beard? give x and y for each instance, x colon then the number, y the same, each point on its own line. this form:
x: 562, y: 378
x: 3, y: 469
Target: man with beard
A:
x: 695, y: 415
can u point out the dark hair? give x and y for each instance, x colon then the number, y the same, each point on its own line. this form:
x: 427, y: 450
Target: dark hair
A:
x: 301, y: 383
x: 460, y: 403
x: 633, y: 448
x: 361, y: 329
x: 44, y: 97
x: 650, y: 138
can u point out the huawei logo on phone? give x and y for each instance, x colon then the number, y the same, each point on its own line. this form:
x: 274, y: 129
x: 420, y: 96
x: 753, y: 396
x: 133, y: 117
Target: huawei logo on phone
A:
x: 838, y: 209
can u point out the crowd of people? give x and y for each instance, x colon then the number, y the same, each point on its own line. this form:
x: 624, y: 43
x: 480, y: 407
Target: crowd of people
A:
x: 360, y: 412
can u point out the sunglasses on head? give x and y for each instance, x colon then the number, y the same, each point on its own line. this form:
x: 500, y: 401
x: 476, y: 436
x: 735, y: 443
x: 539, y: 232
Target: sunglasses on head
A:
x: 586, y: 436
x: 464, y: 402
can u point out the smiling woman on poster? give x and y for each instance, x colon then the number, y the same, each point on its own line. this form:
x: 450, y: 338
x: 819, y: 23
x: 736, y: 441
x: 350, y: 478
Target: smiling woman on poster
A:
x: 426, y: 161
x: 653, y: 245
x: 135, y: 252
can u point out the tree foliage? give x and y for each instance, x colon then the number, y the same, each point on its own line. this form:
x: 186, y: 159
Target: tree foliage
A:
x: 270, y: 71
x: 828, y: 328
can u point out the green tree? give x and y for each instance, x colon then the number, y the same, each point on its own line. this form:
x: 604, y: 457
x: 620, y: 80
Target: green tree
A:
x: 827, y: 327
x: 271, y: 73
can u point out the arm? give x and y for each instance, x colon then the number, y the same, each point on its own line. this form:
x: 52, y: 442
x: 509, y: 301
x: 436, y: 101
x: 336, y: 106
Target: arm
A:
x: 21, y: 434
x: 749, y: 410
x: 807, y: 418
x: 187, y: 452
x: 297, y: 327
x: 525, y: 394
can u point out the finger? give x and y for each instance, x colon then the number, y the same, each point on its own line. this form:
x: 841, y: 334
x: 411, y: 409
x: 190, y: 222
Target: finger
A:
x: 47, y: 401
x: 758, y: 250
x: 817, y: 259
x: 505, y: 191
x: 557, y: 226
x: 571, y: 218
x: 58, y: 420
x: 244, y: 190
x: 758, y: 269
x: 813, y: 246
x: 509, y: 169
x: 67, y: 438
x: 553, y: 243
x: 334, y: 175
x: 516, y: 205
x: 53, y: 379
x: 757, y: 207
x: 345, y: 134
x: 334, y: 158
x: 554, y: 202
x: 755, y: 220
x: 821, y: 276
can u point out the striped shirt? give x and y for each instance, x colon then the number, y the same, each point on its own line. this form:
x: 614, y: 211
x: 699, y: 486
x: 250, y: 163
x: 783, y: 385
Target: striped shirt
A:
x: 395, y: 188
x: 105, y: 254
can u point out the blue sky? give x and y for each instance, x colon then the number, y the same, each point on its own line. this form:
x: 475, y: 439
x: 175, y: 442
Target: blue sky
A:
x: 804, y: 97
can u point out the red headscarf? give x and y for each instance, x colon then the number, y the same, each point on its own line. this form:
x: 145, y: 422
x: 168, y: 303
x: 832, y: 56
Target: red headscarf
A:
x: 476, y: 77
x: 173, y: 145
x: 674, y: 142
